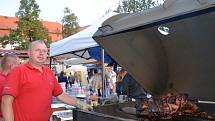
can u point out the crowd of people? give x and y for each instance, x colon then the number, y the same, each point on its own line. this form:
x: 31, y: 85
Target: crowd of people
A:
x: 116, y: 83
x: 93, y: 80
x: 70, y: 79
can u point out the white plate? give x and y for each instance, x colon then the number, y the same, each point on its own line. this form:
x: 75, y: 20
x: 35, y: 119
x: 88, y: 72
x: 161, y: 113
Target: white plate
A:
x: 69, y: 107
x: 81, y: 96
x: 58, y: 105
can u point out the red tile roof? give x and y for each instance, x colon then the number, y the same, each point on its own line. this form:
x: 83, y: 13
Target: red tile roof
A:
x: 6, y: 23
x: 54, y: 28
x: 4, y: 32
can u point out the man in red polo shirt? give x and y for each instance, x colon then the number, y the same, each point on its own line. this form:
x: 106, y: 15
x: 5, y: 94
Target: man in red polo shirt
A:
x: 8, y: 62
x: 30, y: 87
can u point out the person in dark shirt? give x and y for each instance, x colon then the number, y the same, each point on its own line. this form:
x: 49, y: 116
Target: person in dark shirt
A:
x: 119, y: 78
x: 131, y: 88
x: 71, y: 79
x: 62, y: 77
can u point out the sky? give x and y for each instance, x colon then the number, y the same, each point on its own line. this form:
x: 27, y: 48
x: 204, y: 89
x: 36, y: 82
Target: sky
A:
x: 87, y: 11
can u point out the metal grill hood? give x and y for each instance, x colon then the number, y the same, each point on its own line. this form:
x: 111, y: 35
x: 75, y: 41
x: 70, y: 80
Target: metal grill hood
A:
x: 182, y: 58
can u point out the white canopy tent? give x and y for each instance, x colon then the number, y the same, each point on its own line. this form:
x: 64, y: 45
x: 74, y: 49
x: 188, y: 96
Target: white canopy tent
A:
x: 77, y: 61
x: 76, y: 46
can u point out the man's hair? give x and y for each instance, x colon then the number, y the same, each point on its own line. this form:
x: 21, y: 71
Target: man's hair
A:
x: 33, y: 42
x: 119, y: 75
x: 121, y: 71
x: 95, y: 71
x: 6, y: 60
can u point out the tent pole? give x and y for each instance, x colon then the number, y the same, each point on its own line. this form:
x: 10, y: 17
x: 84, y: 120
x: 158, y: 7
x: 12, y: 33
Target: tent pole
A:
x: 114, y: 65
x: 103, y: 74
x: 50, y: 62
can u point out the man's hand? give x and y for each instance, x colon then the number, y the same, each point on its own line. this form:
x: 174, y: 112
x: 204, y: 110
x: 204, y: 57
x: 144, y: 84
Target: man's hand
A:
x: 84, y: 106
x: 74, y: 102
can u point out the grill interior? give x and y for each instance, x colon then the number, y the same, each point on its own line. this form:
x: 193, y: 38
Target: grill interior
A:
x: 114, y: 112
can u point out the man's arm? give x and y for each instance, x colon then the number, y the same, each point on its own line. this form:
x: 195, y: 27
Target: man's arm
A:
x: 7, y: 107
x: 74, y: 102
x: 67, y: 99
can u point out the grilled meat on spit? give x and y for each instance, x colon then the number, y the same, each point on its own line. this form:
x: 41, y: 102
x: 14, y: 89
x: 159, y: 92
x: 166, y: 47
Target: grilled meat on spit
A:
x: 170, y: 105
x: 165, y: 107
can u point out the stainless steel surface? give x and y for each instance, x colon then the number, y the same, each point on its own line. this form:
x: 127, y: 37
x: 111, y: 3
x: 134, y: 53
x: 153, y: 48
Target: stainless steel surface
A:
x: 206, y: 102
x: 183, y: 61
x: 103, y: 113
x: 113, y: 113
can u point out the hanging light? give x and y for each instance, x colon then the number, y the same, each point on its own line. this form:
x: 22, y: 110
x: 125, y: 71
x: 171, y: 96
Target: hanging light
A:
x: 163, y: 30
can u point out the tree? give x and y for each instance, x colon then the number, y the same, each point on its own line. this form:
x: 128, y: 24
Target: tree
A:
x: 133, y: 6
x: 69, y: 23
x: 29, y: 27
x: 13, y: 39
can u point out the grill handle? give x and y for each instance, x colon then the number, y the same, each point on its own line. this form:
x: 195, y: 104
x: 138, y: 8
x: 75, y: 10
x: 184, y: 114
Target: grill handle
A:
x: 205, y: 102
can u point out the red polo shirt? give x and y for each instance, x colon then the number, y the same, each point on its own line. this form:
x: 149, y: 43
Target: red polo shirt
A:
x: 2, y: 83
x: 33, y: 91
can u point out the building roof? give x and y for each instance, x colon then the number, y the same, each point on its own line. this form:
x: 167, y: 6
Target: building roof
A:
x: 7, y: 23
x: 54, y: 28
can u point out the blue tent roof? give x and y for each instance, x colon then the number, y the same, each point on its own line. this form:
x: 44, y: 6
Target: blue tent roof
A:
x: 96, y: 53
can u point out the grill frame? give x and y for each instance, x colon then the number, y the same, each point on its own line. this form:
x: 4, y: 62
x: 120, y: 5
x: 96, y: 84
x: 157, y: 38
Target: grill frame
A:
x: 112, y: 112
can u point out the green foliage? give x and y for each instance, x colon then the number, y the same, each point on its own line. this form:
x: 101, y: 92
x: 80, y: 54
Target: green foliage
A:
x: 28, y: 9
x: 70, y: 23
x: 133, y: 6
x: 12, y: 39
x: 29, y: 27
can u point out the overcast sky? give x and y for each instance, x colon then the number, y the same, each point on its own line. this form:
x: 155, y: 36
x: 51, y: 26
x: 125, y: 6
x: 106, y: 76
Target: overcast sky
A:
x: 87, y: 11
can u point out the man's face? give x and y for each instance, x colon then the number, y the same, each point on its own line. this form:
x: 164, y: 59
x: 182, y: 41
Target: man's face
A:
x: 109, y: 69
x: 38, y: 53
